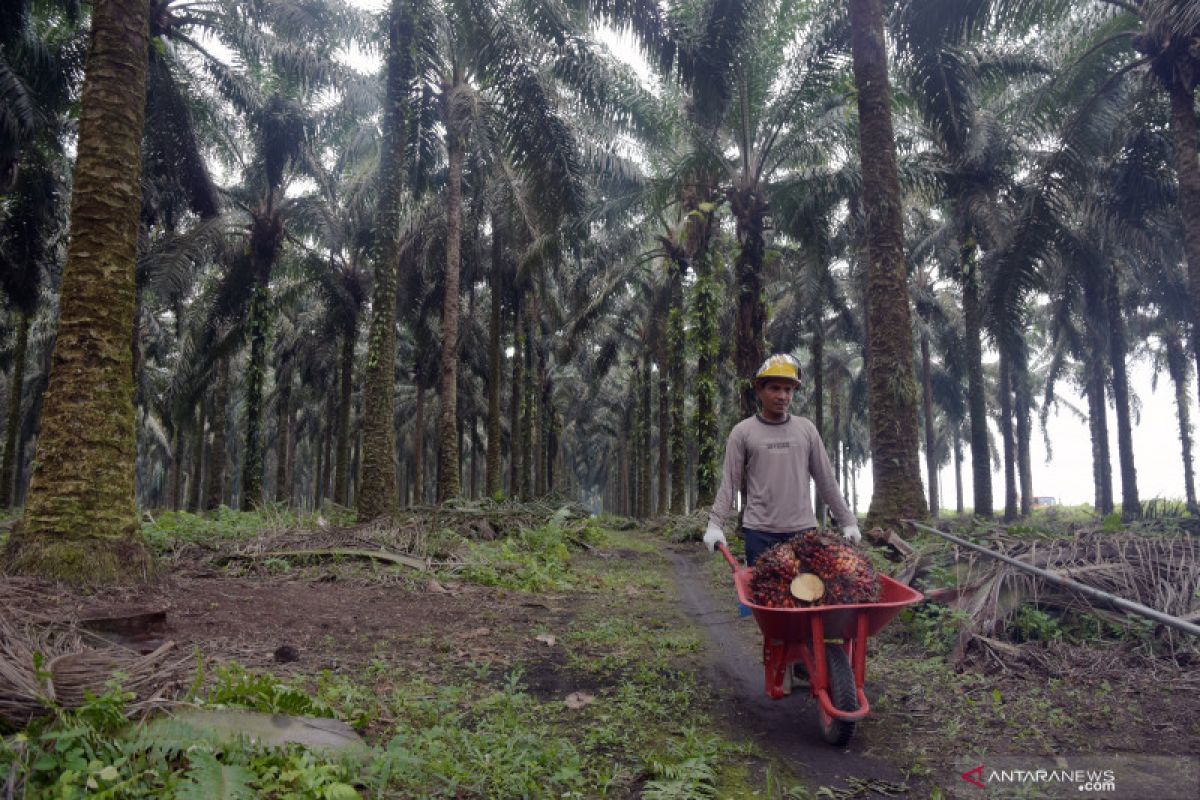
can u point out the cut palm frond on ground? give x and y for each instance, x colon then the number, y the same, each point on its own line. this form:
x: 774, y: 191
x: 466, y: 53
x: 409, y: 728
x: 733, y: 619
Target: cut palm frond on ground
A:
x: 45, y: 666
x: 1161, y: 572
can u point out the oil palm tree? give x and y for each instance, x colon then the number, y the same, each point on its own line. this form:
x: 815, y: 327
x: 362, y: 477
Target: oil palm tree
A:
x: 895, y: 456
x: 80, y: 520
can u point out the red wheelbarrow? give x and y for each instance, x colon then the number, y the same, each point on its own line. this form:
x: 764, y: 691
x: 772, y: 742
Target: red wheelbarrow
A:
x: 831, y: 643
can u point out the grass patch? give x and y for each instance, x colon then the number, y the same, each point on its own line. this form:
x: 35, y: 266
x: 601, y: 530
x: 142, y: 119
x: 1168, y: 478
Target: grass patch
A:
x: 171, y: 529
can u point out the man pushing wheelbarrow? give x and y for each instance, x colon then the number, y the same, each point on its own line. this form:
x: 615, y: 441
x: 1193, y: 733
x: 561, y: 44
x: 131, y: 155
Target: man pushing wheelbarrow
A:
x: 772, y: 456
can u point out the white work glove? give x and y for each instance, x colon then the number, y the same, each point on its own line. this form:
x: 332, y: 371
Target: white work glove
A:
x: 852, y: 533
x: 713, y: 535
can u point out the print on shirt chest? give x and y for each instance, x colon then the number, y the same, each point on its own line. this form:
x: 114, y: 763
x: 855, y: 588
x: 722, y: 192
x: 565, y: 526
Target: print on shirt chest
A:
x: 774, y: 449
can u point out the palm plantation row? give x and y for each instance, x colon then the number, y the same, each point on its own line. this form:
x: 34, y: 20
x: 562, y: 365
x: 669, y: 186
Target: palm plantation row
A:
x: 510, y: 265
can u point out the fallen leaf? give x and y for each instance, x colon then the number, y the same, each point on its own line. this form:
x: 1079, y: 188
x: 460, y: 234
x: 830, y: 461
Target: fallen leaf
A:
x: 577, y: 700
x: 548, y: 638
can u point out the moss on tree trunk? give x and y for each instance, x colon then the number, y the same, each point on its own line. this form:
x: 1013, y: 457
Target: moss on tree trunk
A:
x: 81, y: 523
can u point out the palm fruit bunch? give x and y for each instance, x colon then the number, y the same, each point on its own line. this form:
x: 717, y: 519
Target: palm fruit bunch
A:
x: 846, y: 574
x: 772, y: 577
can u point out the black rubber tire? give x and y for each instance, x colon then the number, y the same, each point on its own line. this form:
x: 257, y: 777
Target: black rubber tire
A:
x: 843, y: 695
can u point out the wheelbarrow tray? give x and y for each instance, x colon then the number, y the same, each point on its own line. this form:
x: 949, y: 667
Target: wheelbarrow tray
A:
x: 792, y: 635
x: 839, y: 622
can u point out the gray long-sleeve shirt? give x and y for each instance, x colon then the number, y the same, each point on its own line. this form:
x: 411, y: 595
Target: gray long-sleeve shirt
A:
x: 777, y: 460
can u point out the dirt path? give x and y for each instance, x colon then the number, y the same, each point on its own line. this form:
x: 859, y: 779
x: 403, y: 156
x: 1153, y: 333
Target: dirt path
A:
x: 788, y: 727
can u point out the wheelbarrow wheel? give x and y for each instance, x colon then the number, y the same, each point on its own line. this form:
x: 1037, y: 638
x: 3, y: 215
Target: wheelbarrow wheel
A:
x: 843, y: 695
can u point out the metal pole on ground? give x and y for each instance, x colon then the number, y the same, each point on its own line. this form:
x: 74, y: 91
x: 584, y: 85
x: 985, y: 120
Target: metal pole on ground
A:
x: 1105, y: 597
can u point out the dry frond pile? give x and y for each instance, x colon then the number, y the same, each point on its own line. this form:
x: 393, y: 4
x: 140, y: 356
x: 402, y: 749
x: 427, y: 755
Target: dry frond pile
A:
x: 1162, y: 572
x: 42, y: 666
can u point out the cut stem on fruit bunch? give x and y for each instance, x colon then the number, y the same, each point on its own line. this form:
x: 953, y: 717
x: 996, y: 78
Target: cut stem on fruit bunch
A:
x: 808, y: 587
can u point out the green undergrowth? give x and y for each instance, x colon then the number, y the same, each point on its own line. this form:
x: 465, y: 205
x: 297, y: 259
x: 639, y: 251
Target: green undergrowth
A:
x: 478, y: 735
x: 463, y: 729
x: 535, y: 559
x: 170, y: 529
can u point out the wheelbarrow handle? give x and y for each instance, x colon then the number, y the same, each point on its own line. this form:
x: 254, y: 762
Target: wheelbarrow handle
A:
x: 733, y: 564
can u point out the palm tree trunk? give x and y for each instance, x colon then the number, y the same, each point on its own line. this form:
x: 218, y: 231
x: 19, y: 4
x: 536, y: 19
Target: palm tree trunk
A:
x: 215, y: 495
x: 81, y: 522
x: 634, y: 413
x: 448, y: 483
x: 175, y: 472
x: 1006, y: 436
x: 981, y: 463
x: 548, y: 438
x: 959, y: 504
x: 528, y: 415
x: 1177, y: 366
x: 539, y: 414
x: 818, y: 397
x: 516, y: 409
x: 895, y: 456
x: 324, y: 455
x: 283, y: 431
x: 194, y: 485
x: 645, y: 446
x: 931, y: 469
x: 1024, y: 401
x: 15, y: 394
x: 378, y: 491
x: 419, y: 448
x: 1098, y: 418
x: 1187, y: 168
x: 1131, y: 507
x: 341, y: 475
x: 749, y: 212
x: 677, y: 344
x: 493, y: 483
x: 834, y: 442
x: 252, y: 459
x: 664, y: 431
x: 707, y: 349
x: 474, y: 472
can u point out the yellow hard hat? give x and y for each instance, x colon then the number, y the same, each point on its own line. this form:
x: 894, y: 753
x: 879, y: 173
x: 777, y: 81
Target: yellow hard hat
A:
x: 780, y: 366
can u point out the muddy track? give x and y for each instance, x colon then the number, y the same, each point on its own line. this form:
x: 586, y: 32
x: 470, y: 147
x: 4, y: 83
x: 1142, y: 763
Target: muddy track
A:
x: 786, y: 727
